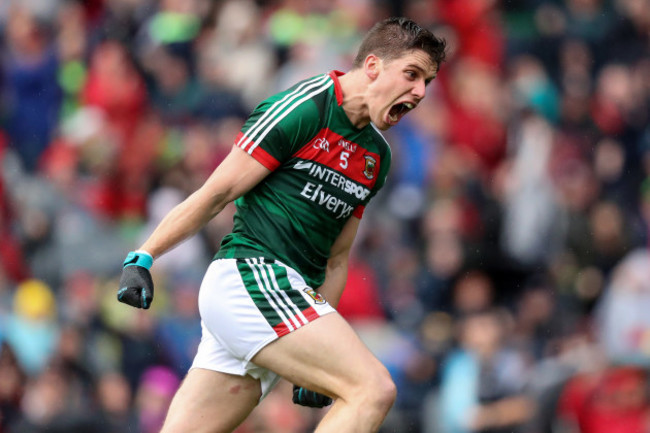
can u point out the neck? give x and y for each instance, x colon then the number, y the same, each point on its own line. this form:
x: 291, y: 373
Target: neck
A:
x: 354, y: 86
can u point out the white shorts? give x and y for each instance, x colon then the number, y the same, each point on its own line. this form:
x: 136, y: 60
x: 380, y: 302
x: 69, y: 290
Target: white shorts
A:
x: 246, y: 304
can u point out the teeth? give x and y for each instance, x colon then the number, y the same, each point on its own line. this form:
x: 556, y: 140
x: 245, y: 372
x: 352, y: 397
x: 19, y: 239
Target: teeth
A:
x: 392, y: 118
x: 409, y: 105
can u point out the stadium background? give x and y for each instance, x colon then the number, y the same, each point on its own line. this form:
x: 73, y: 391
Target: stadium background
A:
x: 502, y: 275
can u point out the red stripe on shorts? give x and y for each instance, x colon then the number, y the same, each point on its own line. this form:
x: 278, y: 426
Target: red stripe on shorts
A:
x: 310, y: 314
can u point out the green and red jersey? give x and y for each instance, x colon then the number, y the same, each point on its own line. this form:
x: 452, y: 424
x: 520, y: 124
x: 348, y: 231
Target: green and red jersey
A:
x: 324, y: 171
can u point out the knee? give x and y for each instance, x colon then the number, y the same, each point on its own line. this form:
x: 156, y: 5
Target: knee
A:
x: 378, y: 393
x: 385, y: 392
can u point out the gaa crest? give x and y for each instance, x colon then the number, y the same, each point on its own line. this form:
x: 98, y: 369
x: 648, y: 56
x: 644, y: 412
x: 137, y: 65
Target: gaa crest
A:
x: 317, y: 297
x: 371, y: 165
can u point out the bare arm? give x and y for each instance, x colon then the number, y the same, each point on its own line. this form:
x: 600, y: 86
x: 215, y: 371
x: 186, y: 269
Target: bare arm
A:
x: 238, y: 173
x: 337, y: 266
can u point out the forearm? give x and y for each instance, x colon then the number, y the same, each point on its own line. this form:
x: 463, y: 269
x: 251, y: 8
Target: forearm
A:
x: 335, y: 278
x: 237, y: 174
x: 182, y: 222
x: 336, y: 274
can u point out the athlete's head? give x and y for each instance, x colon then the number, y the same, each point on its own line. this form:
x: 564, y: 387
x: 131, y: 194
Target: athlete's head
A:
x: 393, y: 37
x: 399, y: 58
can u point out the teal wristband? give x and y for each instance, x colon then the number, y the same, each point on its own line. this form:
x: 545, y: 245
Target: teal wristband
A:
x: 138, y: 258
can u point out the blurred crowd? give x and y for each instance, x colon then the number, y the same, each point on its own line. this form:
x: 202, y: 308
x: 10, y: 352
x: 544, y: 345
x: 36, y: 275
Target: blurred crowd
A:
x: 502, y: 275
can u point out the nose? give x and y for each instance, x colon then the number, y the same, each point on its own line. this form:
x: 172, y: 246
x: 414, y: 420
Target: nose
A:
x: 419, y: 90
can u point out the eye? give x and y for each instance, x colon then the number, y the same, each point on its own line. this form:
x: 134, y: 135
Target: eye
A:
x: 411, y: 75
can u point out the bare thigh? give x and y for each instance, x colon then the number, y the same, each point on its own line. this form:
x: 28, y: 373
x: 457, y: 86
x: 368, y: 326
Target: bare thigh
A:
x: 211, y: 402
x: 326, y: 356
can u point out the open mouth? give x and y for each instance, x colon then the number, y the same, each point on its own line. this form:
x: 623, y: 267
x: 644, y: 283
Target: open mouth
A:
x: 397, y: 111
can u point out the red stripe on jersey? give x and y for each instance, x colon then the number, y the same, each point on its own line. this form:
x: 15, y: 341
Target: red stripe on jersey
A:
x: 261, y: 155
x: 240, y: 139
x: 350, y: 159
x: 358, y: 211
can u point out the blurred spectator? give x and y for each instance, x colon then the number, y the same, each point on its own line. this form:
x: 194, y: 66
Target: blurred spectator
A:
x: 153, y: 395
x: 31, y: 94
x: 476, y: 123
x: 280, y: 415
x: 115, y: 404
x: 532, y: 225
x: 472, y: 292
x: 443, y: 262
x: 623, y: 324
x: 238, y: 55
x: 139, y: 349
x: 401, y: 297
x: 361, y: 301
x: 12, y: 260
x: 176, y: 95
x: 114, y: 86
x: 537, y: 325
x: 477, y: 25
x: 12, y: 386
x: 32, y: 329
x: 179, y: 332
x: 482, y: 382
x: 52, y: 403
x: 614, y: 400
x: 624, y: 41
x: 533, y: 89
x: 72, y: 46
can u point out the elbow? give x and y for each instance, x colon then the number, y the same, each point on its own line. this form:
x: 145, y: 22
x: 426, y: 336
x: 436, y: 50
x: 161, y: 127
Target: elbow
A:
x: 209, y: 203
x: 218, y: 204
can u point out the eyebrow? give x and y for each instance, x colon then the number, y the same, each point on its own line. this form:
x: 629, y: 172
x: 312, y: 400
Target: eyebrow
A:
x: 423, y: 72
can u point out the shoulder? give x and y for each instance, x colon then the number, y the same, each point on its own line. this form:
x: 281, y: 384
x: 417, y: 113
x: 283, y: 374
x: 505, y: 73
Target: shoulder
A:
x: 381, y: 148
x: 314, y: 89
x: 380, y: 140
x: 285, y: 121
x: 300, y: 105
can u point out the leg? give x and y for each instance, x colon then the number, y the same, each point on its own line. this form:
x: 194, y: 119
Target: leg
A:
x: 211, y: 402
x: 327, y: 356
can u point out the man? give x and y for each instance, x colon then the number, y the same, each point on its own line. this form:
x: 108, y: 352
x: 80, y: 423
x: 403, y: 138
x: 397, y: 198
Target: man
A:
x: 302, y: 170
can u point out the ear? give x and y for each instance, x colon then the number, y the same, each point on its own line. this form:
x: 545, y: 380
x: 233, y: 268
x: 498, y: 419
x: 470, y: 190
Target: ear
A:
x: 372, y: 66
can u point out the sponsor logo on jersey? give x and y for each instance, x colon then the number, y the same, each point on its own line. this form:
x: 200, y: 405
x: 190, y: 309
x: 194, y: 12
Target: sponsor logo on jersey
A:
x: 334, y: 178
x: 303, y: 165
x: 371, y: 165
x: 315, y: 193
x: 317, y: 297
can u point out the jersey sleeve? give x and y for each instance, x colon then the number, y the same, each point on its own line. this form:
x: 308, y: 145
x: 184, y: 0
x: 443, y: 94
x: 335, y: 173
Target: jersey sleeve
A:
x: 279, y: 126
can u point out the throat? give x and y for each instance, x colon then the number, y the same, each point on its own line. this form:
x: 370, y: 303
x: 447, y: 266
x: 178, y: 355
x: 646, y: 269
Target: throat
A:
x: 357, y: 114
x: 355, y: 98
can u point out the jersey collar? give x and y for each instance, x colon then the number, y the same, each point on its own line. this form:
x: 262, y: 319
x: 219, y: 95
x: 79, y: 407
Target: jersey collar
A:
x: 337, y: 85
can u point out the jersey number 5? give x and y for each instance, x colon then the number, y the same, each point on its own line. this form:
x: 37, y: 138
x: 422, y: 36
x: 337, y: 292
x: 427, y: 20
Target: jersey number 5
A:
x: 344, y: 160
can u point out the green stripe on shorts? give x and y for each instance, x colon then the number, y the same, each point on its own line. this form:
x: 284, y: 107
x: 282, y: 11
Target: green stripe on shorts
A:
x: 259, y: 298
x: 283, y: 282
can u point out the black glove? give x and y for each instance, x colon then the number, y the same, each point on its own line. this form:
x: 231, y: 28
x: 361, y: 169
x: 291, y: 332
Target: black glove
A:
x: 305, y: 397
x: 136, y: 285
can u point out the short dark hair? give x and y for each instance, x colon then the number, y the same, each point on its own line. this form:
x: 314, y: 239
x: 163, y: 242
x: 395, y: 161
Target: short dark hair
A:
x: 393, y: 37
